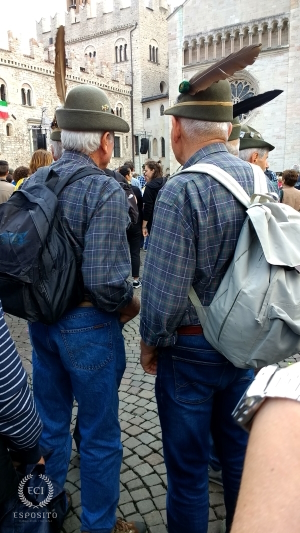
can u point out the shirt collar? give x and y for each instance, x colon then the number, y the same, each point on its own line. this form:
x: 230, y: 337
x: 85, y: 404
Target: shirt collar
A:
x: 204, y: 152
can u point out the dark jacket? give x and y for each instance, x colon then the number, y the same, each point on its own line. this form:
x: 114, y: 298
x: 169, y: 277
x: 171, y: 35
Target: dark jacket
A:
x: 150, y: 194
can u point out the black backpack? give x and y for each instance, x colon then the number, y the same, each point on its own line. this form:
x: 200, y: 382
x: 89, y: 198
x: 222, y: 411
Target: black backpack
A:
x: 40, y: 277
x: 133, y: 210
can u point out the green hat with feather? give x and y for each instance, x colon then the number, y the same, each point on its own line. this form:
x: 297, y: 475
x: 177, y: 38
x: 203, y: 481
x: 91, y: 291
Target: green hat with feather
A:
x: 207, y: 95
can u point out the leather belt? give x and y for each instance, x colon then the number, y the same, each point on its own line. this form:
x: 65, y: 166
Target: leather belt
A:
x: 190, y: 330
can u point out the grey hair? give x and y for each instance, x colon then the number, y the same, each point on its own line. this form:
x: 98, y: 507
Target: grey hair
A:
x: 204, y: 129
x: 57, y: 149
x: 233, y: 147
x: 82, y: 141
x: 246, y: 154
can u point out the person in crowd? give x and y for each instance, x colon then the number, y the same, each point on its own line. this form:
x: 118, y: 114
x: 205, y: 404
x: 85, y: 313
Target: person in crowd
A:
x: 254, y: 149
x: 20, y: 175
x: 134, y: 231
x: 40, y: 158
x: 55, y: 144
x: 6, y: 189
x: 20, y: 424
x: 133, y: 181
x: 82, y: 355
x: 142, y: 179
x: 154, y: 182
x: 194, y: 233
x: 288, y: 194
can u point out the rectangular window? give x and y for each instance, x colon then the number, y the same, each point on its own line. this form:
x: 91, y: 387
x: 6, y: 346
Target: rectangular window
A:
x: 136, y: 145
x: 117, y: 147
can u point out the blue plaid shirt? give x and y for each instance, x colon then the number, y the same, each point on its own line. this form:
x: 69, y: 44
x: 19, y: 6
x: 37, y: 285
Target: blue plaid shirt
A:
x: 196, y: 226
x: 94, y: 211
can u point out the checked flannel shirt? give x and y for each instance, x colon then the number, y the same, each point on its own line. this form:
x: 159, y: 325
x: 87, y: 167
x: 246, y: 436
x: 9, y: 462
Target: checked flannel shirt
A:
x: 94, y: 211
x: 195, y: 229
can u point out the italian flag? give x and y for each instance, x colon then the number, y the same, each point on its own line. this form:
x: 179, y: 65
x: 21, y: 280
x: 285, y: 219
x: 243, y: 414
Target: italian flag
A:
x: 3, y: 110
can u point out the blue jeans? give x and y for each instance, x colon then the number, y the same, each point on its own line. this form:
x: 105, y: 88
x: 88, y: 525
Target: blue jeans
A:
x: 196, y: 391
x: 82, y: 356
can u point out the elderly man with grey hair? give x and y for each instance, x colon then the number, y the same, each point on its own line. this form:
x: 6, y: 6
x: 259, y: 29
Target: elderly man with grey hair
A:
x: 55, y: 144
x: 82, y: 355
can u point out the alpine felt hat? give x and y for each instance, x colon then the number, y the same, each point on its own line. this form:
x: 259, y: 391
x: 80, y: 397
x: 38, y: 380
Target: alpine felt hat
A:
x: 251, y: 138
x: 236, y: 130
x: 214, y: 104
x: 55, y: 135
x: 87, y: 108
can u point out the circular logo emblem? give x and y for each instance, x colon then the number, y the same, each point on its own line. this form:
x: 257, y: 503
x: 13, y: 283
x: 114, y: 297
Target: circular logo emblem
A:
x: 43, y: 489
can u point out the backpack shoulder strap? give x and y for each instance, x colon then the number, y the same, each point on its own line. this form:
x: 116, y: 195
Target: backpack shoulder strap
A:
x: 57, y: 184
x: 222, y: 177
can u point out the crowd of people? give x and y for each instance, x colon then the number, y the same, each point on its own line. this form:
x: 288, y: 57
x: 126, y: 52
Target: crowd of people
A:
x: 192, y: 224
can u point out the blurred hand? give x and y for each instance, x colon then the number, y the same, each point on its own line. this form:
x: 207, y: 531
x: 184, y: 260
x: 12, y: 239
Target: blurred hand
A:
x: 149, y: 356
x: 130, y: 311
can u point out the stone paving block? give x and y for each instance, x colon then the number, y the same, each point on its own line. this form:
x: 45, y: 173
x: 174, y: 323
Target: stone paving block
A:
x: 164, y: 478
x: 151, y: 480
x: 214, y: 527
x: 131, y: 442
x: 125, y: 416
x: 76, y: 499
x: 156, y: 445
x: 152, y: 406
x: 214, y: 487
x: 139, y: 411
x: 135, y: 484
x: 132, y: 461
x: 211, y: 515
x: 124, y: 468
x: 158, y: 490
x: 220, y: 511
x: 149, y: 415
x: 125, y: 497
x: 134, y: 518
x: 137, y: 420
x: 147, y: 425
x: 142, y: 403
x: 129, y: 407
x: 143, y: 469
x: 160, y: 502
x: 155, y: 430
x: 139, y: 495
x: 153, y: 519
x: 127, y: 508
x: 158, y: 529
x: 135, y: 383
x: 154, y: 459
x: 145, y: 506
x: 142, y: 450
x: 148, y: 394
x: 216, y: 498
x: 74, y: 475
x: 128, y: 476
x: 160, y: 469
x: 70, y: 487
x: 126, y: 452
x: 134, y: 390
x: 123, y: 395
x: 72, y: 523
x: 145, y: 438
x: 134, y: 430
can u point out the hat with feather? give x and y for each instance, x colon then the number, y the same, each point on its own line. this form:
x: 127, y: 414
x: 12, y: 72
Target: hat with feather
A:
x: 207, y: 95
x: 251, y: 138
x: 85, y: 108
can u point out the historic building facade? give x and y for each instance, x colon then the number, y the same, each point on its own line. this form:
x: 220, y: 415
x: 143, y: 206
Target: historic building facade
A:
x: 200, y: 36
x: 121, y: 48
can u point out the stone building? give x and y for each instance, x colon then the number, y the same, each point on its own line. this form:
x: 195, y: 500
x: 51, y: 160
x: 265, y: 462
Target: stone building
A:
x: 201, y: 33
x: 120, y: 48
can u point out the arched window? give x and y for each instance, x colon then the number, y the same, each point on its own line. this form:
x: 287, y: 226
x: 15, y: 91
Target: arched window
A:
x: 125, y: 52
x: 2, y: 92
x: 163, y: 147
x: 9, y: 130
x: 116, y: 54
x: 148, y: 112
x: 162, y: 110
x: 117, y: 111
x: 121, y: 53
x: 29, y: 97
x: 94, y: 53
x: 23, y: 96
x: 155, y: 148
x: 153, y: 54
x: 156, y: 57
x: 121, y: 112
x: 150, y: 52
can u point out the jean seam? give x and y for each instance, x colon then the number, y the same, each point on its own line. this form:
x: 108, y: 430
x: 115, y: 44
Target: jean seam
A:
x: 70, y: 353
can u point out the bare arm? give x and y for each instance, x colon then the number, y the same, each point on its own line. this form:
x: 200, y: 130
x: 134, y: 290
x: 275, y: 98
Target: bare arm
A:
x: 271, y: 480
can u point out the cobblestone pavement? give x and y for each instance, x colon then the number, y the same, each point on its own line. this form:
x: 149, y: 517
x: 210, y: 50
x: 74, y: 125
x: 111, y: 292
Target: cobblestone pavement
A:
x: 143, y: 474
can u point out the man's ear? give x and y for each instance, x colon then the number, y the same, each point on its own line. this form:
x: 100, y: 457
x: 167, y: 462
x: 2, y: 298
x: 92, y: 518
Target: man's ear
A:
x: 105, y: 140
x: 229, y: 129
x: 253, y: 158
x: 176, y: 129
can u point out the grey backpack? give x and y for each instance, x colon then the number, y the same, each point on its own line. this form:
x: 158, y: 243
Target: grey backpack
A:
x: 254, y: 318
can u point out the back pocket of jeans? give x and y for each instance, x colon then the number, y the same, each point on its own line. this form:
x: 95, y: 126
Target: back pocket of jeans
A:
x: 195, y: 382
x: 89, y: 348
